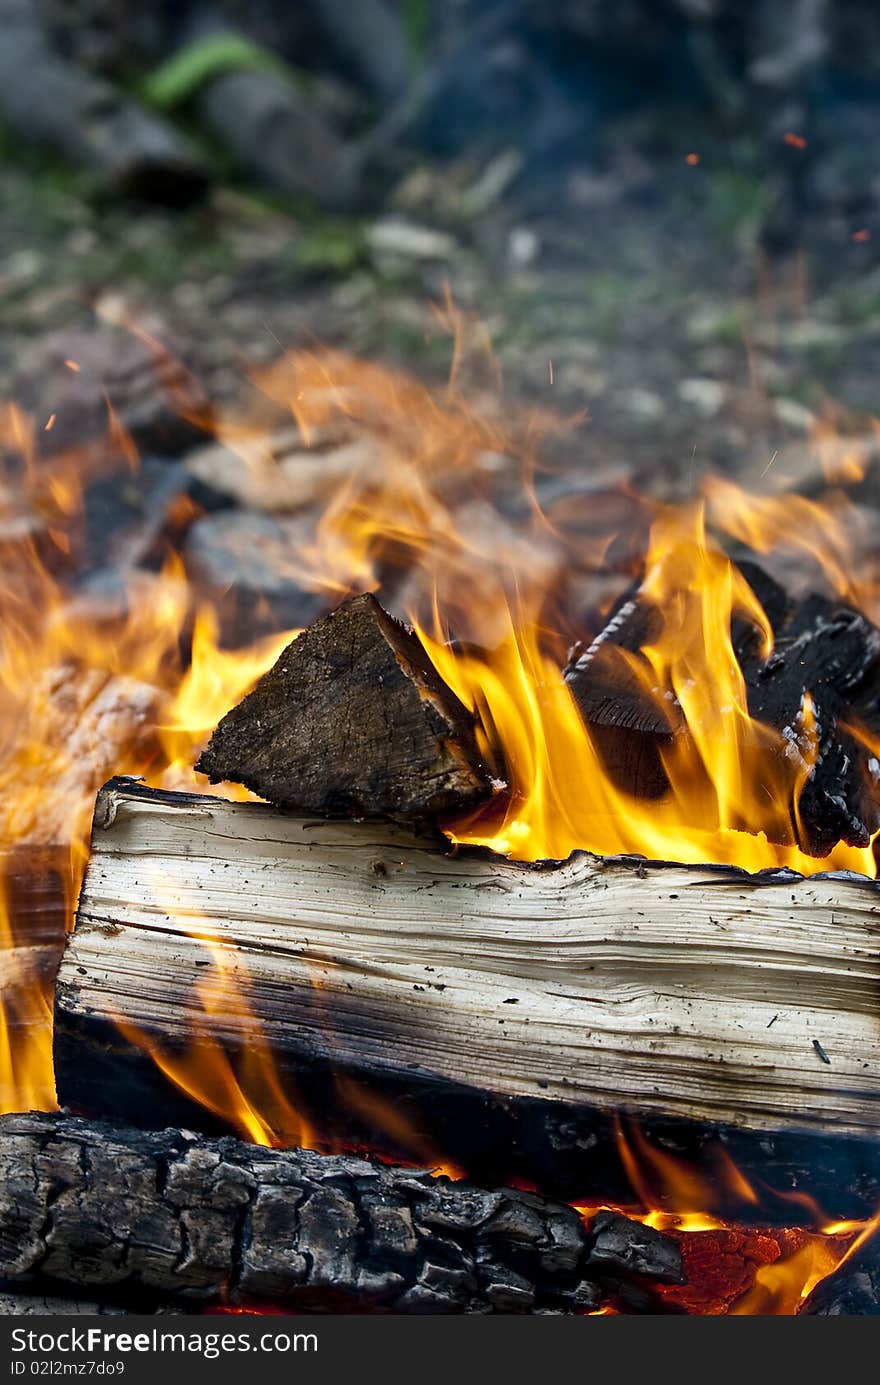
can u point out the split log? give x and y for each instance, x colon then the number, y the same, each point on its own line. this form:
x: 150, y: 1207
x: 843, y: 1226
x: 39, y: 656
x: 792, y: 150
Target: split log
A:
x: 504, y: 1015
x: 822, y: 647
x: 353, y: 720
x: 164, y: 1213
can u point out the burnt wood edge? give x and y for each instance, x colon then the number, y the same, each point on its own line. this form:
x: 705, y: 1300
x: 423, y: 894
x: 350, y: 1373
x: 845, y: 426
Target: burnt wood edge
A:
x: 568, y: 1150
x: 134, y: 787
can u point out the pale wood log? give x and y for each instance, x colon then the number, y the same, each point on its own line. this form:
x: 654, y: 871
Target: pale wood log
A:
x: 510, y: 1011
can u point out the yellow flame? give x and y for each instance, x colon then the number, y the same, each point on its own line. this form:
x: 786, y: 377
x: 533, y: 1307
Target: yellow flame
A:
x: 84, y: 694
x: 248, y: 1093
x: 679, y: 1198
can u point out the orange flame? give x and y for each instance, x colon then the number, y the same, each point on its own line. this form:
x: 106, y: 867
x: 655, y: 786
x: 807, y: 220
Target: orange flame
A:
x: 250, y: 1094
x: 85, y: 693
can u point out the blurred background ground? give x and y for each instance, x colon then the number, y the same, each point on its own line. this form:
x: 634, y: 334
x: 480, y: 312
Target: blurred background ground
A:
x: 666, y: 214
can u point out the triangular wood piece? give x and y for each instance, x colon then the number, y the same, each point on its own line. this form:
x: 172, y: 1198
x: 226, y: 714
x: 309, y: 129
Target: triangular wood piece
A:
x: 353, y: 720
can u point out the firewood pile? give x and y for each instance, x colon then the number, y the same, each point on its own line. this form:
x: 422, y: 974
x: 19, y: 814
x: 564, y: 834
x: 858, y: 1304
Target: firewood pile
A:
x: 353, y: 1045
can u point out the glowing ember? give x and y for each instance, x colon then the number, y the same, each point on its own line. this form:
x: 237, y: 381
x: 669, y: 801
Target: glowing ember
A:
x: 730, y: 1269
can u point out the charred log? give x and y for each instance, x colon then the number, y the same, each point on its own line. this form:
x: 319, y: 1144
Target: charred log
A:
x: 503, y: 1015
x: 630, y: 720
x: 15, y: 1305
x: 169, y: 1213
x: 822, y: 678
x: 353, y: 720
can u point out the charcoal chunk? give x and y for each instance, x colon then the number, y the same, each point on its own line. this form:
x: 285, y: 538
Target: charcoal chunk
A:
x: 621, y: 1246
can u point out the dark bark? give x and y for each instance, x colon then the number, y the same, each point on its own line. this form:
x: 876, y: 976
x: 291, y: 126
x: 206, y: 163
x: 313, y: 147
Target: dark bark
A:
x: 829, y: 651
x: 16, y: 1305
x: 171, y: 1213
x: 353, y: 720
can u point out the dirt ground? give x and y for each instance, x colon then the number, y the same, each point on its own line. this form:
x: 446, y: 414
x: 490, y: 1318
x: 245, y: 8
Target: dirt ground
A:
x: 640, y: 300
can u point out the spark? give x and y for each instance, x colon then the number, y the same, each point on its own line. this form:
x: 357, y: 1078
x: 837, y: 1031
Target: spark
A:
x: 769, y: 464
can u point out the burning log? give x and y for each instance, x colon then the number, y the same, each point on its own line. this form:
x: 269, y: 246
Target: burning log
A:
x: 34, y: 887
x: 51, y: 1305
x: 822, y: 677
x: 171, y: 1213
x: 353, y: 719
x: 853, y: 1290
x: 82, y: 722
x: 503, y: 1013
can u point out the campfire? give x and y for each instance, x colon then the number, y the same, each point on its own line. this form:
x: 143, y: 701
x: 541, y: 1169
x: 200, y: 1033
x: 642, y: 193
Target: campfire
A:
x: 502, y: 940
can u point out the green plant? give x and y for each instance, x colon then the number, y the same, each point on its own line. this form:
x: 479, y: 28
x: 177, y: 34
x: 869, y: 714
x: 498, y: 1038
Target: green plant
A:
x: 179, y: 77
